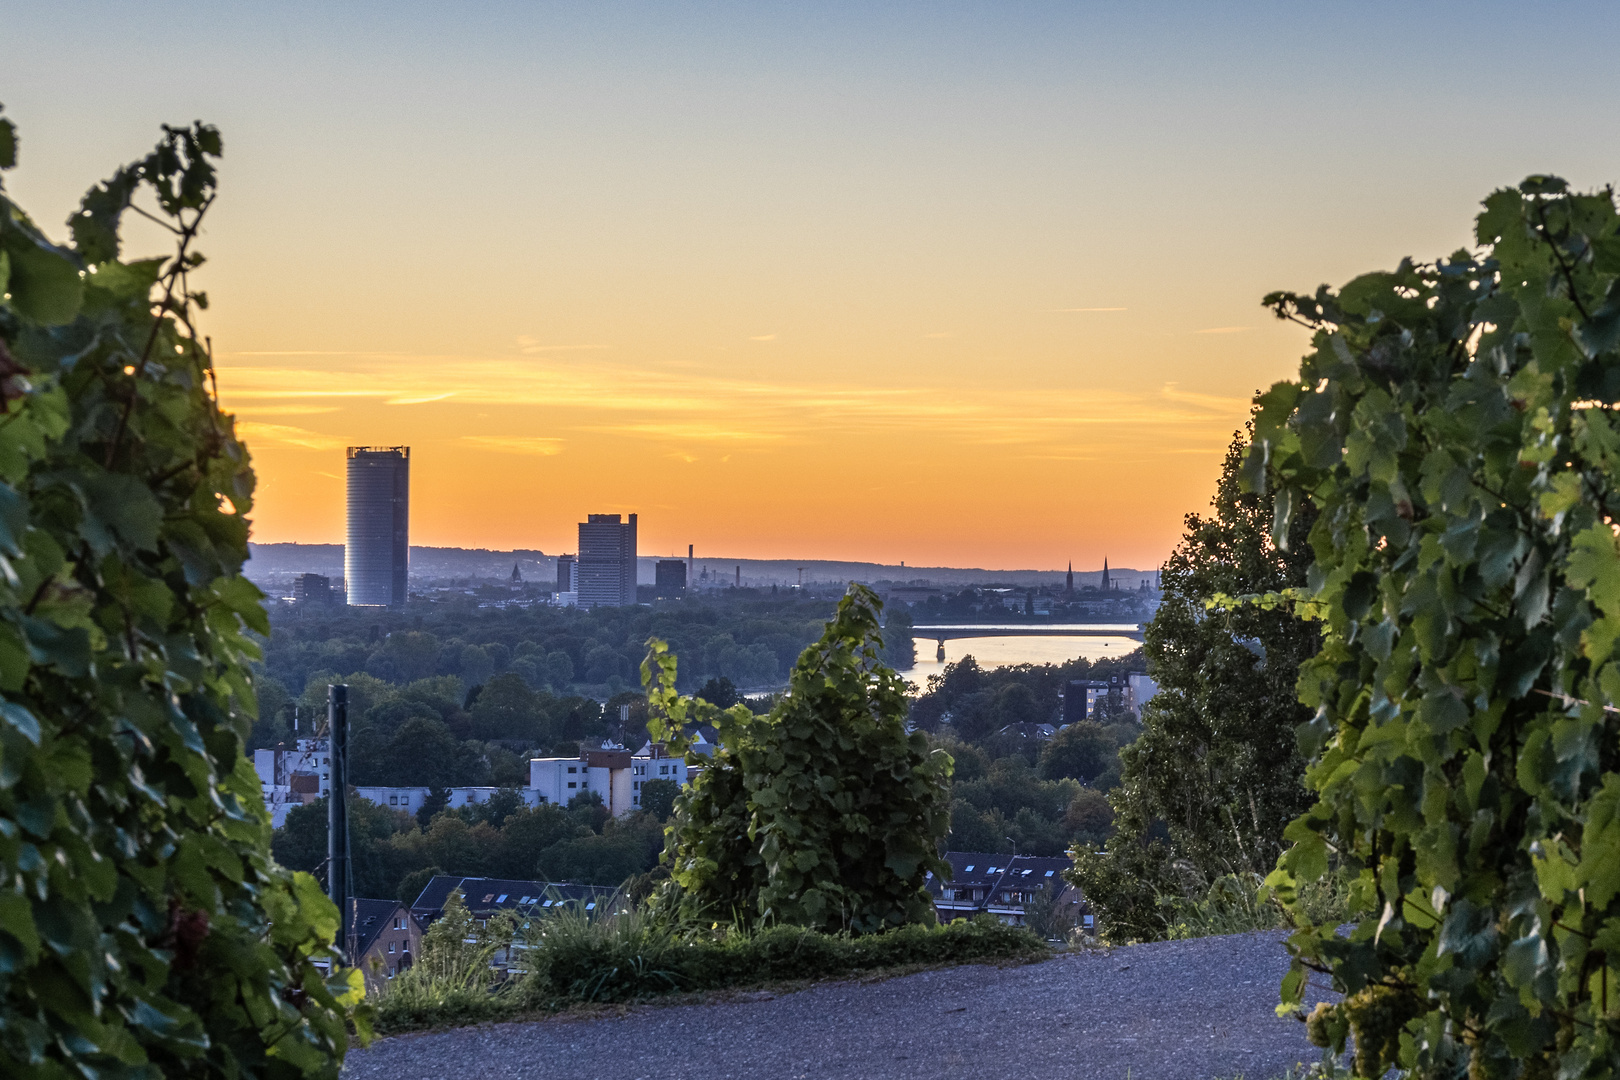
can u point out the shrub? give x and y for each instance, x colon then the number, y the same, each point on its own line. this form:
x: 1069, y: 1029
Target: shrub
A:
x: 1454, y: 428
x: 822, y: 813
x: 144, y: 929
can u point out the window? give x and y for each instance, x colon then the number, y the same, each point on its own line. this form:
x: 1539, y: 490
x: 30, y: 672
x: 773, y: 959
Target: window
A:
x: 1049, y: 873
x: 572, y: 784
x: 546, y: 904
x: 572, y: 770
x: 591, y: 906
x: 969, y: 870
x: 501, y: 899
x: 663, y: 770
x: 390, y: 947
x: 393, y: 800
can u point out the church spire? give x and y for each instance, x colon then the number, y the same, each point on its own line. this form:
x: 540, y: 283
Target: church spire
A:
x: 1069, y: 581
x: 1105, y: 585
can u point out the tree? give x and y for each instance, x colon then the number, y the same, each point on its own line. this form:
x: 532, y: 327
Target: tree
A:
x: 720, y: 693
x: 1454, y: 430
x: 1082, y: 751
x: 508, y: 709
x: 658, y: 797
x: 1215, y: 776
x: 822, y: 813
x: 145, y: 929
x: 899, y: 647
x: 424, y: 753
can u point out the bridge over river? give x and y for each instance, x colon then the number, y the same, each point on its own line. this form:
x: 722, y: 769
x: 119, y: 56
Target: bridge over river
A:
x: 943, y: 633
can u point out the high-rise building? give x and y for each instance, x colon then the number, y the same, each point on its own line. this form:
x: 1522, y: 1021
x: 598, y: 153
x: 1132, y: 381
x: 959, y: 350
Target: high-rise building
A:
x: 312, y: 589
x: 376, y: 556
x: 670, y: 578
x: 607, y: 561
x: 567, y: 574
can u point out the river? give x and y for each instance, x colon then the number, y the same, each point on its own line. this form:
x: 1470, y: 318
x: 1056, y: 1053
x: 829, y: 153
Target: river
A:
x: 1001, y: 651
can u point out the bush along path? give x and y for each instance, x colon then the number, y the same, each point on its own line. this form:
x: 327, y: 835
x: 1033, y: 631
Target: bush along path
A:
x: 1178, y: 1010
x: 575, y: 961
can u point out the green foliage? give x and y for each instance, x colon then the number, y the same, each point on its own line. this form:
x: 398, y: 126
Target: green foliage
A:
x: 499, y: 838
x: 823, y: 813
x: 453, y: 981
x: 1081, y: 751
x: 1010, y: 806
x: 574, y: 958
x: 1454, y: 428
x: 1215, y: 775
x: 658, y: 798
x: 144, y: 929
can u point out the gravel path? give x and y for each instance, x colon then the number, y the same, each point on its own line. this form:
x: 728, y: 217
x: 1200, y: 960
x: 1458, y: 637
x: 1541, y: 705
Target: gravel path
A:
x: 1188, y: 1010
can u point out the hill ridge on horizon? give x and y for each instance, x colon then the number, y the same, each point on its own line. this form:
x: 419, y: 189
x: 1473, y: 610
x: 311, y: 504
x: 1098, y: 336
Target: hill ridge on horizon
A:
x: 292, y: 557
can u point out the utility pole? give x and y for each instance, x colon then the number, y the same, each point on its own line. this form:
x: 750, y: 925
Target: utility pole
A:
x: 337, y: 809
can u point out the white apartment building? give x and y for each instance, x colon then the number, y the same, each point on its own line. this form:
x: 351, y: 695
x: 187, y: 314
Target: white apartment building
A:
x: 651, y: 762
x: 606, y: 772
x: 289, y: 778
x: 410, y: 799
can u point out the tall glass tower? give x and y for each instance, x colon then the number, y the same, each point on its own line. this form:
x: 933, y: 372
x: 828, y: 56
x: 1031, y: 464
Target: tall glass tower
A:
x: 607, y: 561
x: 377, y: 552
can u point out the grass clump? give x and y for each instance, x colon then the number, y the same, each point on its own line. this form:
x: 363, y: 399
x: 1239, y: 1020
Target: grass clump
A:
x: 1243, y: 903
x: 574, y: 958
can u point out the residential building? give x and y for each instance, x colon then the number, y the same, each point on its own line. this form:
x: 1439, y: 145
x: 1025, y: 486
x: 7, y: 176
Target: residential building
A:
x: 410, y: 799
x: 1139, y: 688
x: 1005, y: 886
x: 384, y: 940
x: 567, y: 574
x: 652, y: 762
x: 376, y: 552
x: 669, y: 577
x: 607, y: 561
x: 605, y: 771
x: 486, y: 897
x: 296, y: 777
x: 524, y: 900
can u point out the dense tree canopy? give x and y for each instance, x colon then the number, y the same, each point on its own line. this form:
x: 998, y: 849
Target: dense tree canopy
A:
x: 824, y: 812
x: 1215, y: 775
x: 144, y: 929
x: 1454, y: 426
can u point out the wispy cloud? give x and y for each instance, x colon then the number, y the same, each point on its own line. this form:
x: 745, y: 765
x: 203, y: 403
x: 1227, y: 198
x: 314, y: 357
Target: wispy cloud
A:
x: 702, y: 432
x: 421, y: 399
x: 533, y: 346
x: 517, y: 444
x: 287, y: 410
x: 284, y: 435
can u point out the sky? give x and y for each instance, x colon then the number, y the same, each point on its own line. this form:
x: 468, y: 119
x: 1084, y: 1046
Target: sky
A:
x: 949, y: 284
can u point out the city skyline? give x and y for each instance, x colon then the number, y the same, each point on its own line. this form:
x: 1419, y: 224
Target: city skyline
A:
x: 868, y: 281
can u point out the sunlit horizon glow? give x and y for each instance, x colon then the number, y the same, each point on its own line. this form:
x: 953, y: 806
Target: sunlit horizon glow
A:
x: 959, y: 284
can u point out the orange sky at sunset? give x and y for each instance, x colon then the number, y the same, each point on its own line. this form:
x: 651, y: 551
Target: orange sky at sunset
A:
x: 954, y: 284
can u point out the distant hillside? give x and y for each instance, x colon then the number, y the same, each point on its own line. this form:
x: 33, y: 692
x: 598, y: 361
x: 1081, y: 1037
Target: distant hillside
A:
x: 273, y: 563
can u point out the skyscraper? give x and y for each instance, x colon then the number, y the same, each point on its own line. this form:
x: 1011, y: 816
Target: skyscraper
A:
x: 376, y: 554
x: 607, y: 561
x: 669, y: 576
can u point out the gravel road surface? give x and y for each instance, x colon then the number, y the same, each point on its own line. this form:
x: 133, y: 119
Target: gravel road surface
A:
x: 1184, y: 1010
